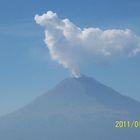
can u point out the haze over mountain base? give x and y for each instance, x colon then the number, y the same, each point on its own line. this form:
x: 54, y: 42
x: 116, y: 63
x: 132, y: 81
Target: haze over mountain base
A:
x: 76, y: 109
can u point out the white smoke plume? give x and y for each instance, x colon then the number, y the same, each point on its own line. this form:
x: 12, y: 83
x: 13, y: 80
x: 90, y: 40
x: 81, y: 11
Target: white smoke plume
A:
x: 72, y: 46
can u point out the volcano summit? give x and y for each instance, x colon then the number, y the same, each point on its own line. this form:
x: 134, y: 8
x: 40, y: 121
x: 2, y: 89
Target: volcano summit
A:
x: 76, y: 109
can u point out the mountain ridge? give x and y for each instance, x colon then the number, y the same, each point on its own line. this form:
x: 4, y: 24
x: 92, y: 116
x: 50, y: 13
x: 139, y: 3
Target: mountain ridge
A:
x: 73, y: 109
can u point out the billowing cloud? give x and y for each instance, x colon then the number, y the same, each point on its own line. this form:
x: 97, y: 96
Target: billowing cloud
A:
x: 72, y: 46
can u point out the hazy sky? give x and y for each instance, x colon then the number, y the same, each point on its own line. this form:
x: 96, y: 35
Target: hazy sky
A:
x: 26, y: 69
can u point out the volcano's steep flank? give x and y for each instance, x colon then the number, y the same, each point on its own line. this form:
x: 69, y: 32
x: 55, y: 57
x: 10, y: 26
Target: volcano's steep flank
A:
x: 76, y: 109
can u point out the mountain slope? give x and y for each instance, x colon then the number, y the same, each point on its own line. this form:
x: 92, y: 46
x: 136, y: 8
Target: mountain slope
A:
x: 76, y: 109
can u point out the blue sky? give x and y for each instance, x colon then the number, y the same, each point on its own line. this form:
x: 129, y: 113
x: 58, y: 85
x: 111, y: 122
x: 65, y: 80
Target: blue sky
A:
x: 26, y: 69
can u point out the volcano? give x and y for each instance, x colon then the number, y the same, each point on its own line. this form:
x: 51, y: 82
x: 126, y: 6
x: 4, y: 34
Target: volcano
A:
x: 75, y: 109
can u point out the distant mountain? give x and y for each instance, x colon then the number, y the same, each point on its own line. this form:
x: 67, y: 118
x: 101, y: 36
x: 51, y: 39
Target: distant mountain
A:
x: 76, y: 109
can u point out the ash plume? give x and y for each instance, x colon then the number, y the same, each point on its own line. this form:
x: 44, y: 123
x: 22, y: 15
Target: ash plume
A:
x: 73, y: 46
